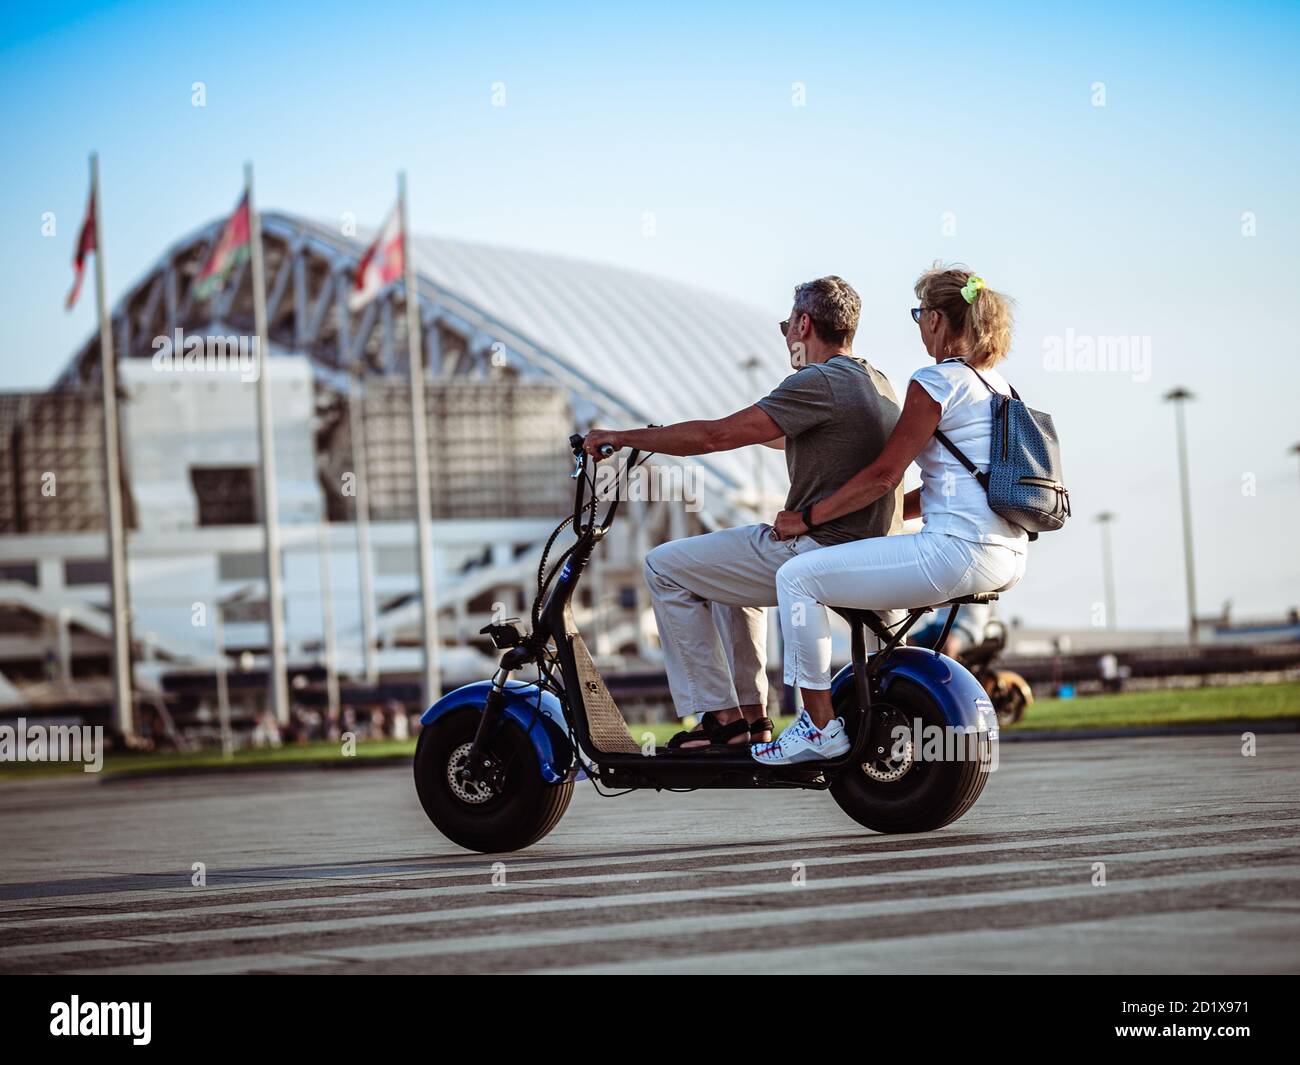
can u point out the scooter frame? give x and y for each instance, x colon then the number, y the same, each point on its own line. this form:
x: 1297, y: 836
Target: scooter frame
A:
x: 553, y: 710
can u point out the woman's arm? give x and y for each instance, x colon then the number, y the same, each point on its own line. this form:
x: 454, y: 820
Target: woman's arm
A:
x: 917, y: 424
x: 776, y: 445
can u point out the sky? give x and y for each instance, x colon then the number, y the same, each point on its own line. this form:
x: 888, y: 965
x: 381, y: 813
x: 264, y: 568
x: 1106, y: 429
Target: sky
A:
x: 1123, y: 173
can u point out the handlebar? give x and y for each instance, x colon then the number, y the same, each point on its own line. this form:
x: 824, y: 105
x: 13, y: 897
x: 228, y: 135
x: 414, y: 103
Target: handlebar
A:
x: 577, y: 440
x: 579, y: 474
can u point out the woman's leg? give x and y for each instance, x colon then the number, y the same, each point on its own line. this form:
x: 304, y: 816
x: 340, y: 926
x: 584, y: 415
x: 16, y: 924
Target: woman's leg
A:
x: 881, y: 573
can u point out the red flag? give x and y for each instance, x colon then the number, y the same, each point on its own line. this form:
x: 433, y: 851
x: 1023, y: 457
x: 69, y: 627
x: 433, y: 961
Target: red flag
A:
x: 85, y: 245
x: 381, y: 265
x: 231, y: 248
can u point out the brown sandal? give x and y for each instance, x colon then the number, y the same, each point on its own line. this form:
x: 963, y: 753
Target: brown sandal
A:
x: 719, y: 736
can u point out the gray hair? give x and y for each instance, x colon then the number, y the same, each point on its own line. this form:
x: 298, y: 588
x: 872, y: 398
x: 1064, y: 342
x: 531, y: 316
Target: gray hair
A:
x: 833, y: 306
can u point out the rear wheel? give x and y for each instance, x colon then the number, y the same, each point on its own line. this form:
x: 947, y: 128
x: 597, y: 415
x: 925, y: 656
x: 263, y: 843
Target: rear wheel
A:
x: 899, y: 790
x: 516, y: 810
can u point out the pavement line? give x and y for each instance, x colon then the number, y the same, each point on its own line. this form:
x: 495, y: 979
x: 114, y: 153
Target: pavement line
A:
x: 584, y: 903
x: 982, y: 951
x: 723, y: 922
x: 485, y: 870
x: 527, y: 885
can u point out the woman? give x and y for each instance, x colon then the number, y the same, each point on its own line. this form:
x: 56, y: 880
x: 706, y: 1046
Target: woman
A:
x: 963, y: 548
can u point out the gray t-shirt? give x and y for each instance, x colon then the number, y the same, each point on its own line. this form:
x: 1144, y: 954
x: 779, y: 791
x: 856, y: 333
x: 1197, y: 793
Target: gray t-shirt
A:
x: 836, y: 417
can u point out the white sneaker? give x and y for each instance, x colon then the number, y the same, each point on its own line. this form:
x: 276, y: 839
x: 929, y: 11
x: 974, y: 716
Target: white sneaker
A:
x: 804, y: 742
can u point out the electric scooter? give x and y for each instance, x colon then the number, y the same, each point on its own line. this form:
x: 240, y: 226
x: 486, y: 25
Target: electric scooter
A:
x: 496, y: 761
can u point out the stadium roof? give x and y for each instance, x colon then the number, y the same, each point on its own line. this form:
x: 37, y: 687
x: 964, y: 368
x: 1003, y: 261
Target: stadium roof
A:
x: 670, y: 351
x: 636, y: 348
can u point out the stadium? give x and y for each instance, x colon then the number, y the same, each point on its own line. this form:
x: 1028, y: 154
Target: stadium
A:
x: 522, y: 349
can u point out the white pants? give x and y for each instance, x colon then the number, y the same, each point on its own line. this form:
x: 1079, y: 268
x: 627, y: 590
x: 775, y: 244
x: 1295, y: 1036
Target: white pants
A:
x: 709, y: 592
x: 886, y: 572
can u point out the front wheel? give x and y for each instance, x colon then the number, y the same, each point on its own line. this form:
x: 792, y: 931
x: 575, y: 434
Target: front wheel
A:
x: 515, y: 811
x: 905, y: 790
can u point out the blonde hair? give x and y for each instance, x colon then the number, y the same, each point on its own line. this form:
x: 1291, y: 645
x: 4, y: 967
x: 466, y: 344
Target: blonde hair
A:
x: 984, y: 325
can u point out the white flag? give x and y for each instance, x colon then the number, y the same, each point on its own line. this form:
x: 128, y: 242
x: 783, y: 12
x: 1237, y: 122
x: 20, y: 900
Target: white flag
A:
x: 381, y: 265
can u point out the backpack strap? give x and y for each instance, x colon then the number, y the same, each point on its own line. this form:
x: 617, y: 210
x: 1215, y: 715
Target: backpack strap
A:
x: 1014, y: 394
x: 960, y: 456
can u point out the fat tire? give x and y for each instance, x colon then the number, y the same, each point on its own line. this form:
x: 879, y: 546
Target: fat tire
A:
x: 528, y: 808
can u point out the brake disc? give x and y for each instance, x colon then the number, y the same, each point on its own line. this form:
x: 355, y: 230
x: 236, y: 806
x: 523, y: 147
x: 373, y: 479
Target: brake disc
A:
x: 473, y: 792
x: 891, y: 766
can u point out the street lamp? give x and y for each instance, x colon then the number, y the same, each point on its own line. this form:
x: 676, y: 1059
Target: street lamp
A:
x: 751, y: 367
x: 1178, y: 397
x: 1107, y: 571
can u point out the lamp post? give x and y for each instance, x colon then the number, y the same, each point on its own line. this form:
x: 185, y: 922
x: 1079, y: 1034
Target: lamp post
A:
x: 751, y: 367
x: 1107, y: 570
x: 1178, y: 397
x: 222, y: 666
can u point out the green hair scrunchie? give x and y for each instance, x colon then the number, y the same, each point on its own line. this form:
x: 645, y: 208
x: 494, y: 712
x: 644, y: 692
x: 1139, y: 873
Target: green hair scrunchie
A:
x: 971, y: 289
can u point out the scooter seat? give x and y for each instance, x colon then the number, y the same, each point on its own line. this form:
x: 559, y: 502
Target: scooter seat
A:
x: 852, y: 614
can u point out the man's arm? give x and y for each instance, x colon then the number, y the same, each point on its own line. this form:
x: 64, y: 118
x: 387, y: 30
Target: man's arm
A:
x: 749, y: 426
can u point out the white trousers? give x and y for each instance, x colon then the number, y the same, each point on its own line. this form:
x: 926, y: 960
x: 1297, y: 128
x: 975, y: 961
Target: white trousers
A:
x: 882, y: 573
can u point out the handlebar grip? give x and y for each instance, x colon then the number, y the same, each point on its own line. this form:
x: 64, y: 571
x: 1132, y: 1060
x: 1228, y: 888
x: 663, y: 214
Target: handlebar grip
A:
x: 606, y: 450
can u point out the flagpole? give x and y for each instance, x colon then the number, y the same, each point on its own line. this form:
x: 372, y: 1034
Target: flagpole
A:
x: 328, y: 645
x: 278, y: 680
x: 365, y: 562
x: 419, y: 443
x: 119, y: 592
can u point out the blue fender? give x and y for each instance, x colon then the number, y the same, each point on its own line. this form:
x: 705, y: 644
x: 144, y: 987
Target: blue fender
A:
x: 537, y: 711
x: 961, y: 699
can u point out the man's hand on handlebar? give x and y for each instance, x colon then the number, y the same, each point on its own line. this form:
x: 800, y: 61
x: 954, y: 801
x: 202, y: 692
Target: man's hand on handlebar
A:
x: 601, y: 438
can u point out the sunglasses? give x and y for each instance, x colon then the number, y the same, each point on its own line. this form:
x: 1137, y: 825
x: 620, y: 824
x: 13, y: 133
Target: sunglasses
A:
x: 785, y: 326
x: 917, y: 312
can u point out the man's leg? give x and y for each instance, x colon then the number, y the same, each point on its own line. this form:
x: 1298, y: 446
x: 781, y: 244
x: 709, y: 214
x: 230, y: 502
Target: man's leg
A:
x: 744, y: 636
x: 692, y: 581
x: 698, y: 676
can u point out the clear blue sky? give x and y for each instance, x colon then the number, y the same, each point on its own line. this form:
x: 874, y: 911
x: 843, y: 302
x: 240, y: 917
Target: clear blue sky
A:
x: 1116, y: 220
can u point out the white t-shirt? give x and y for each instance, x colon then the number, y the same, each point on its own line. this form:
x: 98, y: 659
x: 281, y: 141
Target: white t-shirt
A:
x: 952, y: 500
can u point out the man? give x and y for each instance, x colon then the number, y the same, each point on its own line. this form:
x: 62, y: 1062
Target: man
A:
x: 832, y: 416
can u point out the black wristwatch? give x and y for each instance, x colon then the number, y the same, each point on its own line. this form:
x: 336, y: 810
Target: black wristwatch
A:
x: 806, y: 514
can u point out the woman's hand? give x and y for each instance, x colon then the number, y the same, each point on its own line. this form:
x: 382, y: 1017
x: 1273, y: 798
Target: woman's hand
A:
x: 788, y: 525
x: 597, y: 438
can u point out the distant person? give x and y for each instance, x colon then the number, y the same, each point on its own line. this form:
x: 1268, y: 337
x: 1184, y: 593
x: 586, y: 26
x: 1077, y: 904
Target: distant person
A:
x: 963, y: 548
x: 1111, y: 672
x: 967, y: 630
x: 831, y: 416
